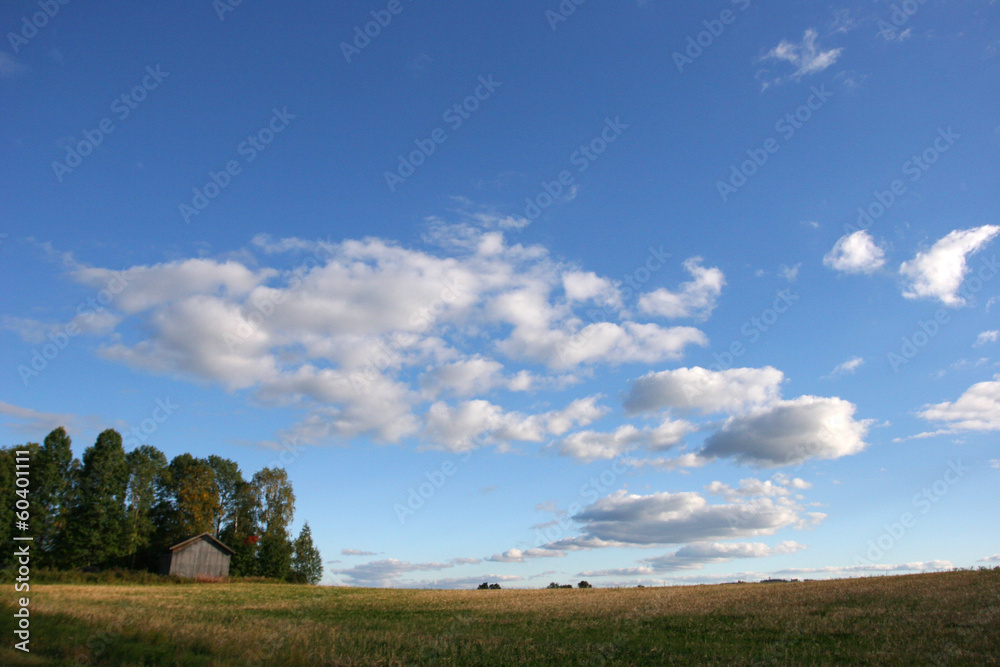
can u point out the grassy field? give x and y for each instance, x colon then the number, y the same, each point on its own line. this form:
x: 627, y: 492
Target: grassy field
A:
x: 950, y: 618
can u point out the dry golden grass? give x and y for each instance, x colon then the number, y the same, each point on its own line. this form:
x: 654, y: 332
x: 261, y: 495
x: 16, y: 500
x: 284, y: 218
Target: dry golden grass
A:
x: 943, y: 618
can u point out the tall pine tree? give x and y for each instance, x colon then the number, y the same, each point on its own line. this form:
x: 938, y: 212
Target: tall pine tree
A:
x: 53, y: 472
x: 96, y: 522
x: 307, y: 564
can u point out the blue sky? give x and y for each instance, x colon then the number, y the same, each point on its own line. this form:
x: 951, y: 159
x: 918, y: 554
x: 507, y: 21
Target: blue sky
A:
x: 636, y: 293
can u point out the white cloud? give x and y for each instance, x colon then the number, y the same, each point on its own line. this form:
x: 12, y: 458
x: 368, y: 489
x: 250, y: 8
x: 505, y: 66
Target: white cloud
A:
x: 848, y: 367
x: 790, y: 432
x: 143, y: 287
x: 594, y: 445
x: 855, y: 253
x: 384, y: 573
x: 465, y: 426
x: 468, y: 377
x: 978, y: 409
x: 778, y: 486
x: 988, y: 337
x: 990, y: 559
x: 790, y: 273
x: 601, y: 342
x: 466, y: 561
x: 806, y: 57
x: 890, y: 34
x: 34, y: 422
x: 519, y: 556
x: 938, y: 273
x: 994, y: 463
x: 356, y: 552
x: 587, y: 286
x: 367, y: 337
x: 95, y: 322
x: 696, y: 556
x: 679, y: 518
x: 696, y: 298
x: 706, y: 391
x: 845, y: 570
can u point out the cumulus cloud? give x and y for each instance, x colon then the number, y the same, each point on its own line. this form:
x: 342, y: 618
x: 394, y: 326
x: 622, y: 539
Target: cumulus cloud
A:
x: 606, y: 342
x: 143, y: 287
x: 855, y: 253
x: 696, y: 298
x: 467, y: 377
x: 938, y: 273
x: 779, y: 485
x: 595, y: 445
x: 588, y: 286
x: 702, y: 390
x: 519, y: 556
x: 678, y: 518
x: 978, y: 409
x: 373, y: 339
x: 789, y: 432
x: 469, y: 424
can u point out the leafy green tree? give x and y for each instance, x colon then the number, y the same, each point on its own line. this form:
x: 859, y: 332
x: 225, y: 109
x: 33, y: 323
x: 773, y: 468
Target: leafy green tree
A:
x: 274, y: 498
x: 53, y: 472
x: 274, y: 557
x: 188, y: 500
x: 96, y: 525
x: 242, y: 533
x: 229, y: 482
x: 146, y: 465
x: 9, y: 498
x: 307, y: 564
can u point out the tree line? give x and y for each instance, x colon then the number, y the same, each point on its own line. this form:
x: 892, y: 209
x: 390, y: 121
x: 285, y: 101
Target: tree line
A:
x: 113, y: 508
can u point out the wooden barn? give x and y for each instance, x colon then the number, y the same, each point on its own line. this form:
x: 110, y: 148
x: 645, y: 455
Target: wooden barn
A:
x: 199, y: 556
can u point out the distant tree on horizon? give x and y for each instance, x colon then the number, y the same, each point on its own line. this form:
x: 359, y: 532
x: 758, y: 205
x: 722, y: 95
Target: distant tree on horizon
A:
x: 307, y: 563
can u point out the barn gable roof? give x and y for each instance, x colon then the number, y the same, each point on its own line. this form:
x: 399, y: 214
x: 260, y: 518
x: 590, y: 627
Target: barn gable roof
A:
x: 208, y: 536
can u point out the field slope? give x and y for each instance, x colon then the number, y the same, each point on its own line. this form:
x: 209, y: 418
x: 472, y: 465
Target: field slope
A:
x: 950, y: 618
